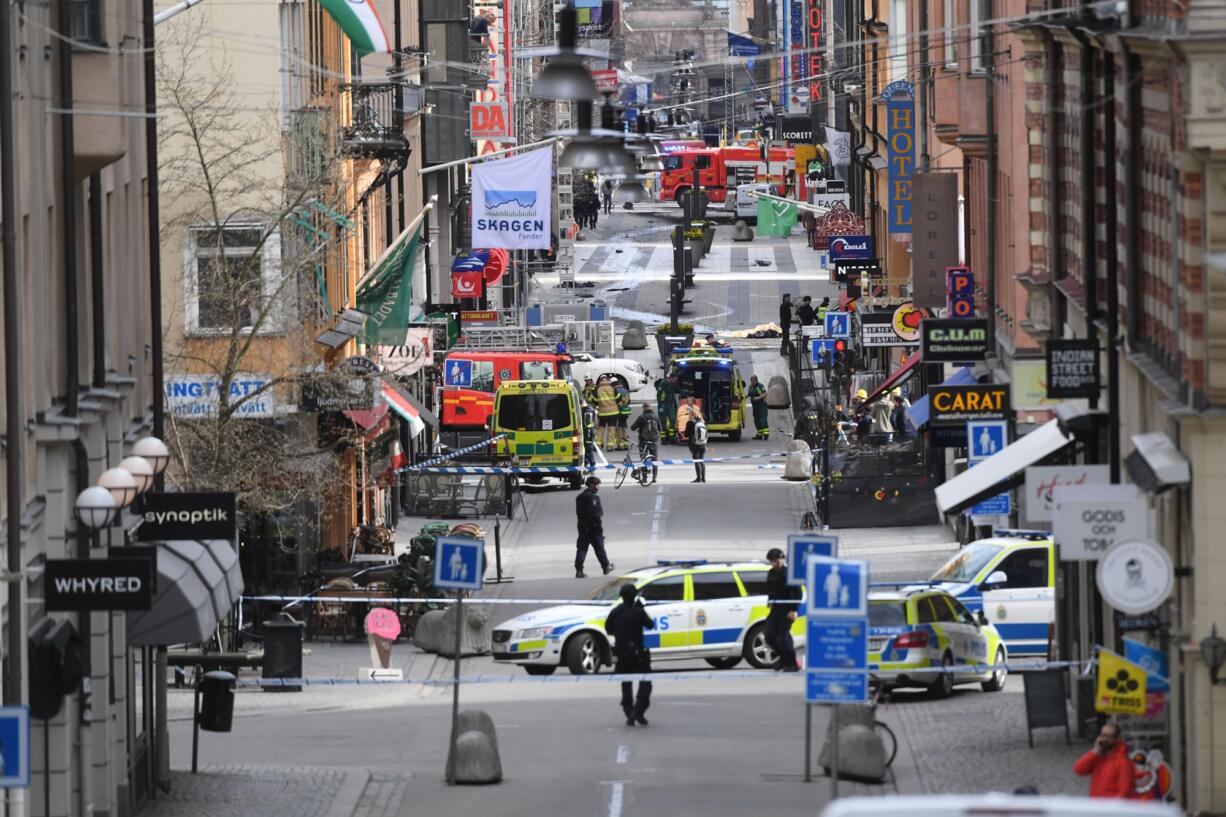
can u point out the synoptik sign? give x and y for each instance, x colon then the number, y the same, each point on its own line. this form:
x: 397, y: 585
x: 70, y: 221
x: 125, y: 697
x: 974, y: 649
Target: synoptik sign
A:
x: 191, y: 516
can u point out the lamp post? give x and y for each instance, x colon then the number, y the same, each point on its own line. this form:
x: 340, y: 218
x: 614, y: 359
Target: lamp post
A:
x: 122, y: 485
x: 141, y: 470
x: 1213, y: 653
x: 154, y: 451
x: 95, y: 507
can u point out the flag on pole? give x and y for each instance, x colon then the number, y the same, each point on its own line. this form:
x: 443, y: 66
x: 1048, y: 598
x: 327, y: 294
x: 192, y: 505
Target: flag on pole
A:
x: 838, y: 145
x: 387, y: 292
x: 361, y: 24
x: 1121, y: 685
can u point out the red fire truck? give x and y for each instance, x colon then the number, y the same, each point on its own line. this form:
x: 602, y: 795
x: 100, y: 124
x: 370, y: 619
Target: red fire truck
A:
x: 720, y: 170
x: 470, y: 378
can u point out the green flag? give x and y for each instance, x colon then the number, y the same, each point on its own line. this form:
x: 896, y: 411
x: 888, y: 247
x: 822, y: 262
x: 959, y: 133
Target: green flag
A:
x: 387, y: 293
x: 775, y: 217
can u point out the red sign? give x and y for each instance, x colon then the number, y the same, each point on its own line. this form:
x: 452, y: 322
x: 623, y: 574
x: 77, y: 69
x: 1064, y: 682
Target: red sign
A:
x: 605, y: 80
x: 467, y: 283
x: 488, y: 120
x: 817, y: 57
x: 960, y: 292
x: 479, y: 315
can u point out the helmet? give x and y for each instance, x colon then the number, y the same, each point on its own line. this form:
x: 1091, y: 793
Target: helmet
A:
x: 862, y: 394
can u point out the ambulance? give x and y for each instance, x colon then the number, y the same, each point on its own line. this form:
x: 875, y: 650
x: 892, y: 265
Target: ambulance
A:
x: 541, y: 424
x: 712, y: 378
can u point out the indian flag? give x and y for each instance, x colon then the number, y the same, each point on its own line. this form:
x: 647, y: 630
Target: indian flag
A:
x: 361, y: 23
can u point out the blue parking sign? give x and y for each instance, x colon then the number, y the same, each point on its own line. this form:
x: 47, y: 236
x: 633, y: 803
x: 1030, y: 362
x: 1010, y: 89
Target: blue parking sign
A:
x: 838, y: 325
x: 14, y: 747
x: 837, y: 587
x: 985, y: 438
x: 459, y: 373
x: 459, y: 564
x: 801, y: 547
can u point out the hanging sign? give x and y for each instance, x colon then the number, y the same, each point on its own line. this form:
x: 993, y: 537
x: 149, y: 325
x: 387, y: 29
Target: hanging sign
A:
x: 900, y: 117
x: 192, y: 516
x: 99, y: 584
x: 511, y: 202
x: 1135, y: 576
x: 952, y: 340
x: 1089, y: 519
x: 877, y: 329
x: 1072, y: 369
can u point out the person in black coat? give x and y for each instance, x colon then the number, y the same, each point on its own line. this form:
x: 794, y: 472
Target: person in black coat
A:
x: 785, y: 324
x: 626, y: 625
x: 591, y: 528
x: 783, y: 610
x: 805, y: 312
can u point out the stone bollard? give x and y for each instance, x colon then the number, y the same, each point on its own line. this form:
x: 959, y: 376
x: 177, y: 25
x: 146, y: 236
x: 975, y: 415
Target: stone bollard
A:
x: 635, y: 336
x: 741, y: 231
x: 428, y: 634
x: 799, y: 465
x: 477, y: 759
x: 778, y: 396
x: 861, y: 750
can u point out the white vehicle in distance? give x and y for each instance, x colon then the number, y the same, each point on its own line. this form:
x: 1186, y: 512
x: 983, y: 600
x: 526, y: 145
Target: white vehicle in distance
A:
x: 747, y: 205
x: 995, y: 805
x: 630, y: 373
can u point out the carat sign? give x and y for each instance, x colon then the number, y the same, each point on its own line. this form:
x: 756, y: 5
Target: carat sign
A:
x: 1089, y: 519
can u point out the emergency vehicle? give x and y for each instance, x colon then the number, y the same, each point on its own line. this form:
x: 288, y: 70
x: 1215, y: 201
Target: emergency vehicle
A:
x: 541, y: 424
x: 1011, y: 578
x: 470, y: 378
x: 721, y: 170
x: 914, y: 629
x: 714, y: 611
x: 712, y: 378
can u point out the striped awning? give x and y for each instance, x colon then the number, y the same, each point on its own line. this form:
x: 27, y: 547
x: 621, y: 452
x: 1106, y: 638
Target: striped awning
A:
x: 403, y: 406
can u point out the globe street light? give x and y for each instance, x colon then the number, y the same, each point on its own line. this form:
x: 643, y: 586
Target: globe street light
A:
x: 121, y: 484
x: 153, y: 450
x: 95, y: 507
x: 141, y: 471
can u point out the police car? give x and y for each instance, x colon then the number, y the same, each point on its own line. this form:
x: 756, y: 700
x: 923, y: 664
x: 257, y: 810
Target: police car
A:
x: 1011, y: 577
x: 712, y: 611
x: 912, y: 630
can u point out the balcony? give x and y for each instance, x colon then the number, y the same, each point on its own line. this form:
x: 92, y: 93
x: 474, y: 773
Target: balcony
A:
x: 377, y: 128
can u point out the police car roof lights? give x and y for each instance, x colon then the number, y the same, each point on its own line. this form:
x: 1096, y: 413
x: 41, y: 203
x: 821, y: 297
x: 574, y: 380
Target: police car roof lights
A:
x: 1019, y: 533
x: 681, y: 562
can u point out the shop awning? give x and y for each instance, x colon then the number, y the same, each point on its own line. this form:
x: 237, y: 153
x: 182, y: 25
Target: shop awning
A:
x: 1003, y: 470
x: 198, y: 585
x: 368, y: 419
x: 404, y: 406
x: 919, y: 411
x: 901, y: 374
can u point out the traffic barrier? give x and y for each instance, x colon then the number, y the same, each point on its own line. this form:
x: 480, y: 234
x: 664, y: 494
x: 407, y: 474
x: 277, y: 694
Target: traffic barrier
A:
x: 451, y: 455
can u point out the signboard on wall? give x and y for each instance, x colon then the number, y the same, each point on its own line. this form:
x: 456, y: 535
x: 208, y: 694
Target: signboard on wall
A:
x: 199, y: 395
x: 1072, y: 369
x: 934, y: 237
x: 900, y: 118
x: 498, y: 89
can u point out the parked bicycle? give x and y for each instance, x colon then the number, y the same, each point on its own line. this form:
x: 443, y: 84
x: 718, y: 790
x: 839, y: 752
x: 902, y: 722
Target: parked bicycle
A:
x: 888, y: 739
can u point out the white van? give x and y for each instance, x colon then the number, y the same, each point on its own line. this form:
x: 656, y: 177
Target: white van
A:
x: 747, y: 205
x: 996, y: 805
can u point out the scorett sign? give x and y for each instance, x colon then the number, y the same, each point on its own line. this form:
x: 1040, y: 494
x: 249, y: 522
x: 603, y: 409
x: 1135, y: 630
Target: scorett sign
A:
x: 192, y: 516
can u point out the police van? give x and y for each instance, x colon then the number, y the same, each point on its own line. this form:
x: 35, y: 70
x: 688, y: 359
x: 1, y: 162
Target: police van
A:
x: 711, y: 611
x: 1011, y: 577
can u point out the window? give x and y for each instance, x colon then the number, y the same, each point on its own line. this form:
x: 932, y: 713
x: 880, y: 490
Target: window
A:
x: 981, y: 11
x: 228, y: 274
x: 483, y: 376
x: 951, y: 53
x: 702, y: 162
x: 887, y: 614
x: 898, y: 42
x: 85, y: 19
x: 710, y: 586
x: 669, y: 589
x: 672, y: 163
x: 534, y: 412
x: 966, y: 564
x: 961, y: 614
x: 754, y: 581
x: 536, y: 370
x: 924, y: 613
x: 1024, y: 568
x: 940, y: 606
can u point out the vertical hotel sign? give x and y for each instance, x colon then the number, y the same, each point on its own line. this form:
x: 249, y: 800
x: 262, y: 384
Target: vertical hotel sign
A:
x: 899, y: 100
x: 496, y: 95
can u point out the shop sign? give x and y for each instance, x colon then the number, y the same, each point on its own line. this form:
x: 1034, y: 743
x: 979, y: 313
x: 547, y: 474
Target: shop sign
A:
x: 934, y: 236
x: 488, y: 120
x: 952, y: 340
x: 1072, y: 369
x: 195, y: 395
x: 1135, y: 576
x: 796, y: 129
x: 899, y: 99
x: 1043, y: 480
x: 98, y: 584
x: 191, y: 516
x: 851, y: 246
x: 953, y: 406
x: 1089, y: 519
x: 877, y: 329
x: 411, y: 356
x: 606, y: 79
x: 960, y: 292
x: 334, y: 391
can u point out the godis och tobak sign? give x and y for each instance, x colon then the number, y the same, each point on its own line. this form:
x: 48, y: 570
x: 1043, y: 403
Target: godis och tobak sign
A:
x: 900, y: 116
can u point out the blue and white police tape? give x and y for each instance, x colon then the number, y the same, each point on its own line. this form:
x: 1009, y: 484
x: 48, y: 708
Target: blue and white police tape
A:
x: 407, y: 600
x: 575, y: 469
x: 451, y: 455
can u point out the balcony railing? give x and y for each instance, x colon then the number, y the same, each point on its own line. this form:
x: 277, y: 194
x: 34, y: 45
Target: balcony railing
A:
x: 377, y: 129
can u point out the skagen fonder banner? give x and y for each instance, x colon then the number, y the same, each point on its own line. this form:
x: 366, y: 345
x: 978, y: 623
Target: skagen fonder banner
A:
x: 511, y: 201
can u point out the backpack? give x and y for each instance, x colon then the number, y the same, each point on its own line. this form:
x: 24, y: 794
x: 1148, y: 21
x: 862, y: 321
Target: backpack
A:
x: 700, y: 433
x: 651, y: 427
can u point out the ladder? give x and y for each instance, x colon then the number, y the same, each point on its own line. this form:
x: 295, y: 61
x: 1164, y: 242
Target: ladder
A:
x: 509, y: 338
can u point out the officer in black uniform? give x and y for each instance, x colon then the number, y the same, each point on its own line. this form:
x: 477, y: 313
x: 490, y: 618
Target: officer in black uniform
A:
x: 626, y: 624
x: 782, y: 597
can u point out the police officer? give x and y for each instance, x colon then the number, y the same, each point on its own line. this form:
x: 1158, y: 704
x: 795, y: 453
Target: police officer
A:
x: 590, y: 515
x: 761, y: 415
x: 626, y: 624
x: 589, y: 434
x: 623, y: 417
x: 782, y: 598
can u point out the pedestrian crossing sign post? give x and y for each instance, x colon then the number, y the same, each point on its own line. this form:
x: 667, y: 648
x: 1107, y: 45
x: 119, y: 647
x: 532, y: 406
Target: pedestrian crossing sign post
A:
x: 985, y: 438
x: 838, y: 324
x: 823, y: 349
x: 800, y: 547
x: 14, y: 747
x: 838, y: 588
x: 459, y: 373
x: 458, y: 563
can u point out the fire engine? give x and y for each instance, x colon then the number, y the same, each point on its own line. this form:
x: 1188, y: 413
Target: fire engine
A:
x: 720, y: 170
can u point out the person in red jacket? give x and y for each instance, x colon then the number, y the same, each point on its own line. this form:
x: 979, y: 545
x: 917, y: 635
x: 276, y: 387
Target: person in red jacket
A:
x: 1111, y: 771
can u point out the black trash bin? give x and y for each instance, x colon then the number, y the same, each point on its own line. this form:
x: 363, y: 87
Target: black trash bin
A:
x: 216, y: 701
x: 283, y: 651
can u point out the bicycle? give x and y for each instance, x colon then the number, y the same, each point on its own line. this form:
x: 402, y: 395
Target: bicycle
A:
x: 888, y: 739
x: 640, y: 472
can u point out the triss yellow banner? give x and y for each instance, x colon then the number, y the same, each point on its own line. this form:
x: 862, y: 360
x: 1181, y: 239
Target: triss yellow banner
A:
x: 1121, y: 685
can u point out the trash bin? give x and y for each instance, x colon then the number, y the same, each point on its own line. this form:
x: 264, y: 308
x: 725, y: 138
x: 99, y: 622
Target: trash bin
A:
x: 216, y: 701
x: 283, y: 651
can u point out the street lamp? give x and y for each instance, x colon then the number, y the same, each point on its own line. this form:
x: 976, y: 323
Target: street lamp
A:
x: 153, y: 450
x: 141, y: 471
x: 564, y: 76
x: 95, y: 507
x: 1213, y: 653
x: 121, y: 484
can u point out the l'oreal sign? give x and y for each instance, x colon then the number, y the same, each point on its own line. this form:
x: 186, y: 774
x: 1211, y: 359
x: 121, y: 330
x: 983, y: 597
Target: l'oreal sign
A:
x: 851, y: 246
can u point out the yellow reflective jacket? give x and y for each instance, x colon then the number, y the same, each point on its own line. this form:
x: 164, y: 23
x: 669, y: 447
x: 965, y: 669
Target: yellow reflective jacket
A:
x: 606, y: 401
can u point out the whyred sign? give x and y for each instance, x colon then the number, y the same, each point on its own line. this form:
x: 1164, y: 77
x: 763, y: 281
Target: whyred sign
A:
x: 488, y: 120
x: 606, y: 80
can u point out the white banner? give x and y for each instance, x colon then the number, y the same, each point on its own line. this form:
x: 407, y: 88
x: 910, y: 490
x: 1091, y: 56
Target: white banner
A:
x: 198, y: 395
x: 411, y: 356
x: 512, y: 201
x: 1089, y: 519
x: 838, y: 143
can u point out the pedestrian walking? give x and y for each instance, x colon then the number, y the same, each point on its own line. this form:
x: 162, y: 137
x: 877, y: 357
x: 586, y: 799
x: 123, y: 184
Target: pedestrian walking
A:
x: 648, y: 427
x: 782, y: 598
x: 805, y: 313
x: 606, y: 196
x: 591, y: 528
x: 785, y: 324
x: 696, y: 433
x: 1111, y: 772
x: 606, y: 413
x: 761, y: 414
x: 626, y: 624
x: 898, y: 418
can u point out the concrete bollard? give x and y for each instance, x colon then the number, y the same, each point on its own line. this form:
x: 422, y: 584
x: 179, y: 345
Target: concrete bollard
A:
x: 861, y: 750
x: 799, y: 465
x: 741, y: 231
x: 428, y: 634
x: 476, y: 758
x: 778, y: 396
x: 635, y: 336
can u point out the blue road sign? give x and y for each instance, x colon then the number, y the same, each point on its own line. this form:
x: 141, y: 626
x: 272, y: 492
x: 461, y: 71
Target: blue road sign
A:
x: 822, y: 347
x: 1154, y: 662
x: 14, y: 747
x: 459, y: 564
x: 999, y: 505
x: 801, y: 547
x: 459, y: 373
x: 837, y: 587
x: 985, y: 438
x: 836, y: 687
x: 838, y: 325
x: 836, y: 644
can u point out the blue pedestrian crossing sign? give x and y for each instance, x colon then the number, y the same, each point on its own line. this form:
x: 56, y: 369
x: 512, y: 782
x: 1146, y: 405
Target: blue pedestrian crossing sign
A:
x: 838, y: 324
x: 823, y: 349
x: 985, y: 438
x: 801, y: 547
x: 14, y: 747
x: 459, y: 373
x: 459, y: 564
x: 837, y: 587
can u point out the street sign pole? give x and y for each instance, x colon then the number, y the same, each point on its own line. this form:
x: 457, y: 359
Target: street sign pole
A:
x: 455, y: 687
x: 808, y: 741
x: 834, y: 753
x: 463, y: 569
